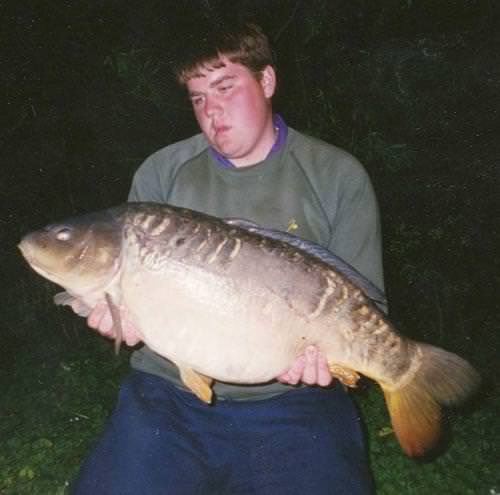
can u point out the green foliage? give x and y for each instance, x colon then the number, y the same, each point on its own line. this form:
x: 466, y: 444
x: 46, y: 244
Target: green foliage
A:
x: 394, y: 157
x: 48, y: 428
x: 139, y: 71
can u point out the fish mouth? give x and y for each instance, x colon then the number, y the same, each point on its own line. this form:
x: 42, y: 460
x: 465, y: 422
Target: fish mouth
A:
x: 33, y: 261
x: 26, y: 251
x: 29, y: 255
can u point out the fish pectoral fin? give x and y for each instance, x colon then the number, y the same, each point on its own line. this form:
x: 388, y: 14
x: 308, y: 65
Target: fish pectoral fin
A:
x: 199, y: 384
x: 117, y: 322
x: 77, y: 305
x: 346, y: 376
x: 63, y: 298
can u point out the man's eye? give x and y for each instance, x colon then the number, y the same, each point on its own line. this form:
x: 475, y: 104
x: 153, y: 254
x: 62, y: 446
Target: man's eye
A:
x: 197, y: 101
x: 224, y: 89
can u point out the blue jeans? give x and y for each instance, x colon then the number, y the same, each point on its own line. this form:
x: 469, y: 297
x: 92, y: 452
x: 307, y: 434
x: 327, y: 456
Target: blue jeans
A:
x: 161, y: 440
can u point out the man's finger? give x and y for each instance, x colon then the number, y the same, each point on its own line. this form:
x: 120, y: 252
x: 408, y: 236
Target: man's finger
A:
x: 101, y: 320
x: 294, y: 374
x: 309, y: 375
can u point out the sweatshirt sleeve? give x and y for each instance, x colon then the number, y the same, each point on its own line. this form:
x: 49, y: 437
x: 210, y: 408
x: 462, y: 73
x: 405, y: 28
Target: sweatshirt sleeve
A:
x: 356, y: 230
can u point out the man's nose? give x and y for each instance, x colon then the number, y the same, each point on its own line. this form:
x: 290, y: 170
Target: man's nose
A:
x: 212, y: 107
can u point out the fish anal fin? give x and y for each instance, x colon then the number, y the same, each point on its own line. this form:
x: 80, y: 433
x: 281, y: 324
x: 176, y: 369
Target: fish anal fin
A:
x: 199, y: 384
x: 346, y: 376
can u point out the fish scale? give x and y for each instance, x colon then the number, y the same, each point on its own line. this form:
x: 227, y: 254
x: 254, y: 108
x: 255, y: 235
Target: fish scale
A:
x: 234, y: 302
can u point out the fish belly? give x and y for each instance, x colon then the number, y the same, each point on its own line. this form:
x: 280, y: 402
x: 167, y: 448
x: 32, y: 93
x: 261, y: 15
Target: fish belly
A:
x: 231, y: 331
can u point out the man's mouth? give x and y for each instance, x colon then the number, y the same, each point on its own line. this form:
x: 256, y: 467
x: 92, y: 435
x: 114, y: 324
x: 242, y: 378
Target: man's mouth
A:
x: 221, y: 129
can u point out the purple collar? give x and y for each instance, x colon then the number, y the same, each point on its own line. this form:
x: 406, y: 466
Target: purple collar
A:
x: 278, y: 123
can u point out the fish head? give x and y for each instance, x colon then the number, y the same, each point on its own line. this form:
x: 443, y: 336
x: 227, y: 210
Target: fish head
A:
x: 80, y: 254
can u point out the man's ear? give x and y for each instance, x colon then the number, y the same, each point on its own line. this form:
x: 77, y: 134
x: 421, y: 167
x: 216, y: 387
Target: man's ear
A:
x: 268, y: 81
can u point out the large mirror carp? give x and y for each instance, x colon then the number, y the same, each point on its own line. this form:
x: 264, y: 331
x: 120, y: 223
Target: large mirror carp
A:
x: 228, y: 301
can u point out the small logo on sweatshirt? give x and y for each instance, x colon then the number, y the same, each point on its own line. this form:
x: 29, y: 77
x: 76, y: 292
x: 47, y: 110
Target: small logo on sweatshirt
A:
x: 292, y: 225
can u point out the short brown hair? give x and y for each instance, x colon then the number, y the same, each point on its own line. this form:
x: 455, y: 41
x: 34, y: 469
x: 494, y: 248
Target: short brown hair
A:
x: 245, y: 44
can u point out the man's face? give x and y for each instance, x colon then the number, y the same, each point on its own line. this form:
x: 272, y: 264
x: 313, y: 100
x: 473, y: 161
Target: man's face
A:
x: 234, y: 112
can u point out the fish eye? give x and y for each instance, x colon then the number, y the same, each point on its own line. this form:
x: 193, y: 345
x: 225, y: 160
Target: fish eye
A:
x: 63, y: 234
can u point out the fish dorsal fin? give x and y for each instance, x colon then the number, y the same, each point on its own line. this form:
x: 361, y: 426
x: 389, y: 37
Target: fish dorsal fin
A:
x: 337, y: 263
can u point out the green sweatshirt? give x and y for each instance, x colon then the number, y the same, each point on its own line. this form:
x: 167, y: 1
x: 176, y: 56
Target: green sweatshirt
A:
x: 310, y: 188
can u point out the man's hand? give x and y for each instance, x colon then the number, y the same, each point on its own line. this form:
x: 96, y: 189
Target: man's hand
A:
x: 310, y: 368
x: 100, y: 319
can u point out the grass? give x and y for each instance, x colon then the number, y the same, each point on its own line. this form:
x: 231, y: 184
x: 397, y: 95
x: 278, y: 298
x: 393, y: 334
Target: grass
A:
x: 48, y: 427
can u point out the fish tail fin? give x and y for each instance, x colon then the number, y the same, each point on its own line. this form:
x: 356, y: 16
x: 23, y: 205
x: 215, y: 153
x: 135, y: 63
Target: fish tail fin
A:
x: 442, y: 378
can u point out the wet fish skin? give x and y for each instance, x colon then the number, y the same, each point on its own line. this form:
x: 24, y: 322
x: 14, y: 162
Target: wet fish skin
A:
x: 226, y: 303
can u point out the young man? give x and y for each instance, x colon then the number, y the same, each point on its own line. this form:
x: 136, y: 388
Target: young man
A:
x: 265, y: 439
